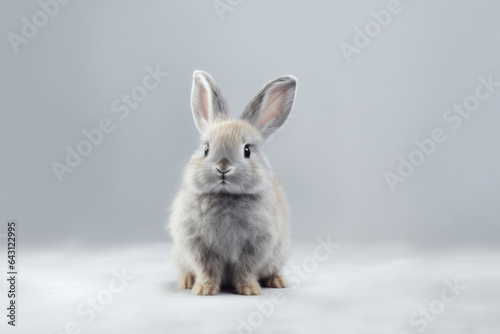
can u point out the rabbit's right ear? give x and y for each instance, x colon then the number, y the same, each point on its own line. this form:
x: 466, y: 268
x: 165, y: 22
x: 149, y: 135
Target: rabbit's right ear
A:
x: 207, y: 102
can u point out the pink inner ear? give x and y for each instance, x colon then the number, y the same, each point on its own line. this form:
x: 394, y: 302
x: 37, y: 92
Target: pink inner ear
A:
x: 203, y: 100
x: 273, y: 106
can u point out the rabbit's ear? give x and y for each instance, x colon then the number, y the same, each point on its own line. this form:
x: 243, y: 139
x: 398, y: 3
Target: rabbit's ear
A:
x: 270, y: 107
x: 207, y: 102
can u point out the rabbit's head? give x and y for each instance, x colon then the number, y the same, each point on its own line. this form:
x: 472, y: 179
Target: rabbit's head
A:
x: 230, y: 158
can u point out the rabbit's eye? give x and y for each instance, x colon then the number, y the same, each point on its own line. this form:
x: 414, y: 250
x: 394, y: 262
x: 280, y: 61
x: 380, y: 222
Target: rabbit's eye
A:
x: 206, y: 150
x: 247, y: 151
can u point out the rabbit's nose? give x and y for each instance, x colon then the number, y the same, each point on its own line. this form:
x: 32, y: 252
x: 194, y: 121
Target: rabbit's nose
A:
x: 223, y: 172
x: 223, y: 165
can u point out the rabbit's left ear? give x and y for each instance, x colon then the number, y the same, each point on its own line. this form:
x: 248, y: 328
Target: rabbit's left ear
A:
x: 270, y: 107
x: 207, y: 102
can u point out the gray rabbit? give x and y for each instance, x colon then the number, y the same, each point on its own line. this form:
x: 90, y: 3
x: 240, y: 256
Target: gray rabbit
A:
x: 230, y: 221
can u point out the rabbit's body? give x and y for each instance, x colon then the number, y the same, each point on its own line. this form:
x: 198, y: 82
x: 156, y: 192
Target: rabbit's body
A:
x: 230, y: 220
x: 232, y: 228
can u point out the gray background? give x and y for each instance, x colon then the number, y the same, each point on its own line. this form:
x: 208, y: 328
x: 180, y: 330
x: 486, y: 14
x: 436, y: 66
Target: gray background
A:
x: 350, y: 123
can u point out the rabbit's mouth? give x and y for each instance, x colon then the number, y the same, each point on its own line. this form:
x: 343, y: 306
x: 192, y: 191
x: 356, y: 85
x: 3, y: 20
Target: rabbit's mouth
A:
x: 223, y: 176
x: 222, y: 186
x: 224, y: 183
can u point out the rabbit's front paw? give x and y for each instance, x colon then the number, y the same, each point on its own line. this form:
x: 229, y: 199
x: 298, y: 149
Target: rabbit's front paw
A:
x: 249, y: 289
x: 205, y: 289
x: 274, y: 281
x: 186, y: 282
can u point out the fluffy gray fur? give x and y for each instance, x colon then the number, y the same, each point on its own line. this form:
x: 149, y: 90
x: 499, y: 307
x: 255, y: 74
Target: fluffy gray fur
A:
x: 230, y: 220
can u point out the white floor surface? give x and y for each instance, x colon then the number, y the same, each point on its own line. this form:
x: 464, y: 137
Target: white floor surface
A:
x: 355, y: 289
